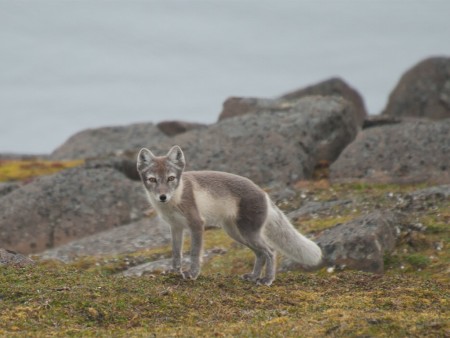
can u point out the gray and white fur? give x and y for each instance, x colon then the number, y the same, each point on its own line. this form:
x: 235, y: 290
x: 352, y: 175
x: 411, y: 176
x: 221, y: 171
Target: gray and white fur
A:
x: 193, y: 199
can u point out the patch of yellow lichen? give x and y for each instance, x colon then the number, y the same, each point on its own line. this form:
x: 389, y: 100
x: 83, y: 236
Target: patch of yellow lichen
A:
x: 17, y: 170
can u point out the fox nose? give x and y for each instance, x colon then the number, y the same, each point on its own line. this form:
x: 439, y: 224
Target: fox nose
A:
x: 162, y: 198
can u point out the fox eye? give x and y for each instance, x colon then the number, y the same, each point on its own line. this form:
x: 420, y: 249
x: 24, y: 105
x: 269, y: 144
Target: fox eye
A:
x: 170, y: 178
x: 151, y: 179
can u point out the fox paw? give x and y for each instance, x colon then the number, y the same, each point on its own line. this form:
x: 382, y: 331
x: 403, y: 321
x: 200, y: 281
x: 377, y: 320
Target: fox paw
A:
x: 249, y: 277
x: 190, y: 274
x: 264, y: 281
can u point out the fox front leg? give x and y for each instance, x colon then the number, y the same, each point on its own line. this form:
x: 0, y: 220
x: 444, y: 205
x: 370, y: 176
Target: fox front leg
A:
x: 196, y: 254
x: 177, y: 247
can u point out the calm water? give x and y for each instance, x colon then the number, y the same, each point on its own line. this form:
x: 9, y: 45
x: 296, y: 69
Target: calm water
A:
x: 70, y: 65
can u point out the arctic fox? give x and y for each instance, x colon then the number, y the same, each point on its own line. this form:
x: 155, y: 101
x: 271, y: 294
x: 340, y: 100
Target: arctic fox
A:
x: 193, y: 199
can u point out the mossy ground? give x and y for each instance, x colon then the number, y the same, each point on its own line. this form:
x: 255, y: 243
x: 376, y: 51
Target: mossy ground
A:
x: 90, y: 298
x: 57, y: 300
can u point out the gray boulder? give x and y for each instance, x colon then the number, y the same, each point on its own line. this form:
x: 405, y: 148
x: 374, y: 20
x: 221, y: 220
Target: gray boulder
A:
x: 53, y: 210
x: 237, y: 106
x: 332, y: 87
x: 361, y: 243
x: 414, y: 151
x: 423, y: 91
x: 271, y: 146
x: 102, y: 142
x: 146, y: 233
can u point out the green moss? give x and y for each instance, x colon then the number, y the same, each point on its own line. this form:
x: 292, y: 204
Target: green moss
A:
x: 418, y: 261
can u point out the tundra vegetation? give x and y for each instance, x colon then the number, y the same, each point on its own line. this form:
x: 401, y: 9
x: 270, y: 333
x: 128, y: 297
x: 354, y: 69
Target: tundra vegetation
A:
x: 90, y: 297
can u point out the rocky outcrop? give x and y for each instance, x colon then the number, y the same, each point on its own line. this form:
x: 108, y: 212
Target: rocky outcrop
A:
x: 274, y: 146
x: 172, y: 128
x: 146, y: 233
x: 333, y: 87
x: 53, y: 210
x: 423, y: 91
x: 238, y: 106
x: 103, y: 142
x: 414, y: 151
x: 361, y: 243
x: 11, y: 258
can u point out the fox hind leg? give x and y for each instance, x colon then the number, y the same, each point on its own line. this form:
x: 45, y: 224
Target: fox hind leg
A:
x: 264, y: 256
x: 250, y: 224
x: 260, y: 260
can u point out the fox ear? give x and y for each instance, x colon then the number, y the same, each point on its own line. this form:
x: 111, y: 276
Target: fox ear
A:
x: 144, y: 158
x: 176, y: 156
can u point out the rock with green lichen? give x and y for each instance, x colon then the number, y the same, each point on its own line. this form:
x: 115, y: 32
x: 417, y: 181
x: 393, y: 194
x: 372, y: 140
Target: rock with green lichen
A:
x: 146, y: 233
x: 53, y: 210
x: 361, y: 243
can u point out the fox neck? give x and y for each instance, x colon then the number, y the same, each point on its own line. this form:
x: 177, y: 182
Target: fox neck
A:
x: 176, y: 198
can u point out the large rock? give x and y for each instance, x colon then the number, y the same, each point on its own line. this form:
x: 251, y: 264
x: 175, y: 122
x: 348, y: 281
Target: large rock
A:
x: 423, y: 91
x: 237, y: 106
x: 101, y: 142
x: 53, y: 210
x: 361, y: 243
x: 333, y: 87
x: 415, y: 151
x: 147, y: 233
x: 272, y: 146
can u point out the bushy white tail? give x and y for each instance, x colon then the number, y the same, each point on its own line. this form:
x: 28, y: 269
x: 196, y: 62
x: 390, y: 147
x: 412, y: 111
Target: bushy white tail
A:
x: 282, y: 236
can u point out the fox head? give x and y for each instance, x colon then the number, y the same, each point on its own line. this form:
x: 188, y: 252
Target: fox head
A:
x: 161, y: 174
